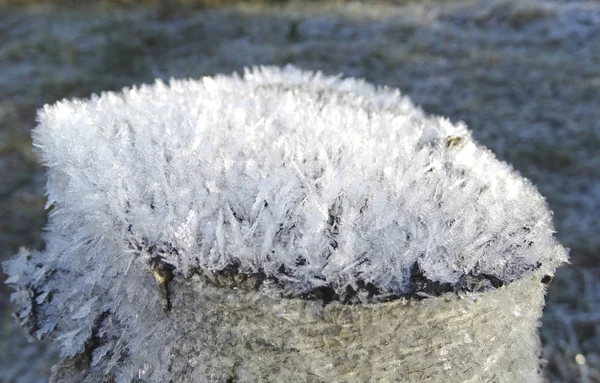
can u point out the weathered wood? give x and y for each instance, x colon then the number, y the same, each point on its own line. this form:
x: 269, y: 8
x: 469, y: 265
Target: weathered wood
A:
x: 225, y: 335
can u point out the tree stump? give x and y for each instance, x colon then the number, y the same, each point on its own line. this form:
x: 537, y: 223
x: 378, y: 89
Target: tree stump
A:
x: 281, y: 226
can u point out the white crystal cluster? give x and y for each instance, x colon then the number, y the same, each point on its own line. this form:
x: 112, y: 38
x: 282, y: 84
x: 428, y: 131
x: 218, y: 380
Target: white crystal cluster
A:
x: 307, y: 179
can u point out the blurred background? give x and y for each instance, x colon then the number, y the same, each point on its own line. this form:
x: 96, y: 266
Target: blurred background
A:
x: 523, y: 75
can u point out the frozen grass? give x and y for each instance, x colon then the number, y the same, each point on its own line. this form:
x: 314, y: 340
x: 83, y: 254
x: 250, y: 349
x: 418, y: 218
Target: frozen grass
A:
x: 523, y: 76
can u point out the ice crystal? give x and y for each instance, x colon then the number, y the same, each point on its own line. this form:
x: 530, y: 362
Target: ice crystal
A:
x: 305, y: 180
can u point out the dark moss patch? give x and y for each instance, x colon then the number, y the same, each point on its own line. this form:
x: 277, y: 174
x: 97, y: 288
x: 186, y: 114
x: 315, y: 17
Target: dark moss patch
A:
x: 420, y: 286
x: 233, y: 277
x: 163, y: 273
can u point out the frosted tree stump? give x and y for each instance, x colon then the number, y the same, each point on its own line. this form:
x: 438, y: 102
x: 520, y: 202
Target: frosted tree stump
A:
x: 281, y: 226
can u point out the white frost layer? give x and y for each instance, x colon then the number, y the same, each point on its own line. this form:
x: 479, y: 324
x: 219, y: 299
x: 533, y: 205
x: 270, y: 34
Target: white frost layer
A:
x: 334, y: 179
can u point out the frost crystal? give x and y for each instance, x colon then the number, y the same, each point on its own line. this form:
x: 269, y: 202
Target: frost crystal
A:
x: 312, y: 185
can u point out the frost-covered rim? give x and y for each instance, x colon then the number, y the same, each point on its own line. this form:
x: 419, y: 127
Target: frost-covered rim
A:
x: 320, y: 185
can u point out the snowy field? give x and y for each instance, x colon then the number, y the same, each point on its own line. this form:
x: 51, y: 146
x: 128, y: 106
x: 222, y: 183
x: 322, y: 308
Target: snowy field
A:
x: 524, y: 76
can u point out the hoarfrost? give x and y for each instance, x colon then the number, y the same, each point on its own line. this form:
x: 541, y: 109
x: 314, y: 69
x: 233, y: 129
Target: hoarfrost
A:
x: 307, y: 180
